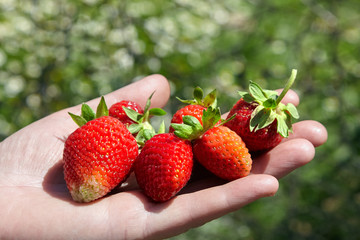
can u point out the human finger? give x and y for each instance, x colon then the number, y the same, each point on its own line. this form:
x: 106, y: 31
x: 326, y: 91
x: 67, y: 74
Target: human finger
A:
x: 311, y: 130
x: 195, y: 209
x: 284, y: 158
x: 140, y: 91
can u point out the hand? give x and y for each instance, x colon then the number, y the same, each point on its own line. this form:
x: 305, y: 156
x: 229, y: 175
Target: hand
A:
x: 36, y: 203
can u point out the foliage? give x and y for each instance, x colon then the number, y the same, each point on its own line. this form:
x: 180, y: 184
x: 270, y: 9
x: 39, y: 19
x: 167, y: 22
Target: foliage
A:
x: 55, y: 54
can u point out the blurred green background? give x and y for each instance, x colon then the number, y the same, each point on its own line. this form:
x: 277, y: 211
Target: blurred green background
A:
x: 55, y: 54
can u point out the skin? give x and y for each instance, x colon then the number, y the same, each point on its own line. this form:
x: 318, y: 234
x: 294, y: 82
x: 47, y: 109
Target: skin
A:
x: 36, y: 203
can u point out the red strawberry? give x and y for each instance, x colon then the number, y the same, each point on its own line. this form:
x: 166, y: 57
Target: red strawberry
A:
x: 265, y: 138
x: 195, y: 107
x: 223, y: 153
x: 192, y: 110
x: 216, y: 147
x: 261, y: 120
x: 98, y: 155
x: 138, y: 120
x: 164, y: 166
x: 117, y: 111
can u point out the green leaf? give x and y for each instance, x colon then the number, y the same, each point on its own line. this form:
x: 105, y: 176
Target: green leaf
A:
x: 148, y: 134
x: 193, y: 122
x: 256, y: 92
x: 282, y: 126
x: 102, y: 109
x: 270, y: 103
x: 271, y: 118
x: 270, y: 94
x: 210, y: 99
x: 264, y: 119
x: 87, y: 113
x: 198, y: 94
x: 246, y: 96
x: 134, y: 128
x: 261, y: 118
x: 144, y: 135
x: 207, y: 101
x: 242, y: 93
x: 257, y: 117
x: 132, y: 114
x: 214, y: 104
x: 79, y: 120
x: 210, y: 117
x: 292, y: 110
x: 186, y: 101
x: 157, y: 112
x: 162, y: 127
x: 182, y: 130
x: 140, y: 139
x: 148, y: 103
x: 289, y: 123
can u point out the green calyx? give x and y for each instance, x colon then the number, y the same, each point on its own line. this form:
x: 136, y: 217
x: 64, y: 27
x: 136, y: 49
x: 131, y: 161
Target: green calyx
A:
x: 208, y: 101
x: 192, y: 129
x: 88, y: 114
x: 142, y: 126
x: 270, y: 107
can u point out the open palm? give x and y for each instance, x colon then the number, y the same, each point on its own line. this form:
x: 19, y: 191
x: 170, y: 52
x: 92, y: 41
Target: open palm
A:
x: 36, y: 203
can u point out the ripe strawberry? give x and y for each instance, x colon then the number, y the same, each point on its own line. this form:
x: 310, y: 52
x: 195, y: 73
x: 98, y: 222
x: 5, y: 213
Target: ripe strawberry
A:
x: 117, y: 111
x: 98, y: 155
x: 192, y: 110
x: 261, y: 120
x: 195, y: 107
x: 164, y: 166
x: 223, y: 153
x: 216, y: 147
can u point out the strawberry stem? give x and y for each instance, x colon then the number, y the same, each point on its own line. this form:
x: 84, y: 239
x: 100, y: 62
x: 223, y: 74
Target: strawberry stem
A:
x: 287, y: 86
